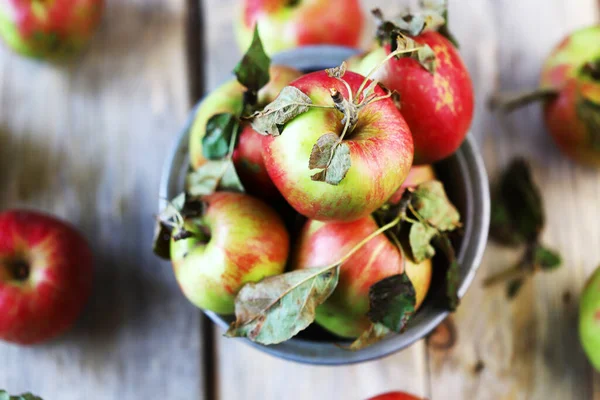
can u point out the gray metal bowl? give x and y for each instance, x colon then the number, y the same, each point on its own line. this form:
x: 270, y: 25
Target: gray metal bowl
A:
x: 466, y: 183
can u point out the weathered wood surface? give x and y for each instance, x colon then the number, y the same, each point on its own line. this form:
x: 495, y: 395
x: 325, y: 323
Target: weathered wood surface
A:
x: 527, y: 349
x: 87, y: 142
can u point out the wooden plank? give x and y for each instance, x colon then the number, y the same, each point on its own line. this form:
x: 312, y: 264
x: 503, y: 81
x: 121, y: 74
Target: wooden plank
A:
x: 403, y: 371
x: 527, y: 349
x: 87, y: 142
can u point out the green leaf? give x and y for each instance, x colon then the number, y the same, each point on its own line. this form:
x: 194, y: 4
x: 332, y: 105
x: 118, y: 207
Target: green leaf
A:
x: 220, y: 130
x: 546, y: 259
x: 277, y: 308
x: 290, y: 103
x: 374, y: 334
x: 589, y: 113
x: 514, y: 287
x: 338, y: 166
x: 213, y: 176
x: 26, y: 396
x: 253, y: 70
x: 337, y: 72
x: 452, y: 273
x: 420, y: 237
x: 518, y: 199
x: 432, y: 204
x: 29, y: 396
x: 392, y: 302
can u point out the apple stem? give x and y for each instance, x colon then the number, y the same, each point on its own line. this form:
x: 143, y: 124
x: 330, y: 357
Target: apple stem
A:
x: 508, y: 102
x: 376, y: 68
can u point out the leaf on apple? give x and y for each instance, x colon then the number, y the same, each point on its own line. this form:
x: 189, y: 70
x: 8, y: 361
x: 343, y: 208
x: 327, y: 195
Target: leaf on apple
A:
x: 253, y: 70
x: 278, y: 307
x: 213, y: 176
x: 452, y: 273
x: 322, y: 150
x: 517, y: 210
x: 422, y: 53
x: 337, y: 168
x: 337, y: 72
x: 290, y: 103
x: 392, y: 302
x: 420, y: 238
x: 432, y: 204
x: 374, y: 334
x: 440, y: 7
x: 589, y: 112
x: 221, y: 129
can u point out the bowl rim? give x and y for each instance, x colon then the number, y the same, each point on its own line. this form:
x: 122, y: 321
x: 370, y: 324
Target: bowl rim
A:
x: 476, y: 186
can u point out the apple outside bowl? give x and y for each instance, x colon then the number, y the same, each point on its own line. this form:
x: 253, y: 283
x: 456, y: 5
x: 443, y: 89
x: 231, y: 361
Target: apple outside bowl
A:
x: 465, y: 180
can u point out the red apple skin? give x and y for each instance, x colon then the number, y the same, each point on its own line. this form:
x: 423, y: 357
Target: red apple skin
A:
x: 561, y: 72
x: 395, y: 396
x: 47, y: 302
x: 381, y: 152
x: 248, y: 242
x: 247, y: 156
x: 418, y: 174
x: 310, y: 22
x: 55, y: 29
x: 437, y: 107
x: 323, y: 243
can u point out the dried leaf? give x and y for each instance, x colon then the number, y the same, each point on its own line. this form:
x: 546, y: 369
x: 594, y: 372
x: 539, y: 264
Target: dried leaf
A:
x: 322, y: 151
x: 423, y: 53
x: 213, y: 176
x: 220, y: 130
x: 589, y: 112
x: 337, y: 168
x: 277, y: 308
x: 253, y: 70
x: 517, y: 199
x: 290, y: 103
x: 337, y: 72
x: 420, y: 238
x: 432, y: 204
x: 392, y: 302
x: 374, y: 334
x: 546, y: 259
x: 452, y: 273
x: 440, y: 8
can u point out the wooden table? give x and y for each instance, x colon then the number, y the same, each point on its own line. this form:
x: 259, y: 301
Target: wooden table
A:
x: 87, y: 142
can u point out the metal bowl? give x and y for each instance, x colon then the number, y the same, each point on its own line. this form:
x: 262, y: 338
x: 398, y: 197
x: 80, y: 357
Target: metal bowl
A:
x: 466, y: 182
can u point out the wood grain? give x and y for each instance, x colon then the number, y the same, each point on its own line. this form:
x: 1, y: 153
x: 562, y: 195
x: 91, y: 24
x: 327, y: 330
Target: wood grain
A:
x: 527, y: 348
x: 87, y: 142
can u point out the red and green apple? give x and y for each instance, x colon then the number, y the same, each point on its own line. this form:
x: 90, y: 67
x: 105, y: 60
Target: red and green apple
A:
x: 49, y: 29
x: 45, y: 276
x: 247, y: 156
x: 589, y: 319
x: 438, y: 106
x: 380, y: 147
x: 344, y: 313
x: 239, y: 239
x: 287, y: 24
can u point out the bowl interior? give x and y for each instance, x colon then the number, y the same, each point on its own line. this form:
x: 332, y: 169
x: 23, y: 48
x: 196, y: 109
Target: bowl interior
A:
x: 465, y: 180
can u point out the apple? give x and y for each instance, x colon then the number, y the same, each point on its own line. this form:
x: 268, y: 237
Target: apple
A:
x: 438, y: 107
x: 323, y: 243
x: 380, y: 146
x: 395, y: 396
x: 247, y: 156
x: 418, y: 174
x: 589, y: 319
x: 239, y: 239
x: 287, y: 24
x: 45, y: 276
x: 50, y: 29
x: 573, y: 116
